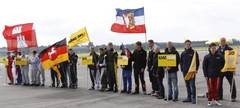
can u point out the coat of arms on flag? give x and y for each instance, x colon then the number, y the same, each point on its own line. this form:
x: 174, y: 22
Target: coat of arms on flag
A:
x: 20, y: 36
x: 129, y: 21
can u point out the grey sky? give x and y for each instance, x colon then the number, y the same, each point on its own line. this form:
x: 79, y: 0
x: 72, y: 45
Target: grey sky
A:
x: 174, y: 20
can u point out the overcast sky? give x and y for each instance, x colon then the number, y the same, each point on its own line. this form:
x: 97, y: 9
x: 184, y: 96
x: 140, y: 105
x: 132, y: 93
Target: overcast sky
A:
x: 166, y: 20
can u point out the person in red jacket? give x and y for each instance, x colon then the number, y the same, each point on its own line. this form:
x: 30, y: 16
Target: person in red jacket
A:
x: 9, y: 68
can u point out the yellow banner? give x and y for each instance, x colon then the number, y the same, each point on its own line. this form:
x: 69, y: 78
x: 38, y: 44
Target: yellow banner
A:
x: 87, y: 60
x: 167, y: 60
x: 21, y: 61
x: 78, y: 38
x: 231, y: 59
x: 192, y: 69
x: 4, y: 61
x: 122, y: 60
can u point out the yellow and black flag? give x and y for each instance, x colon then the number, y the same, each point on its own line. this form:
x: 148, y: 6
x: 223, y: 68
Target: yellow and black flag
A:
x: 78, y: 37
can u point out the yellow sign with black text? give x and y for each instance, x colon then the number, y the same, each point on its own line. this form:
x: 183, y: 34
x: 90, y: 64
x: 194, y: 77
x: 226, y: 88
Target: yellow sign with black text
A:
x: 21, y: 61
x: 87, y: 60
x: 167, y: 60
x: 4, y: 61
x: 122, y: 60
x: 231, y: 59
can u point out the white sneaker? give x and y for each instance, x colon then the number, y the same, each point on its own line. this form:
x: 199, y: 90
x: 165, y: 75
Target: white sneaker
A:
x: 209, y: 104
x: 217, y: 103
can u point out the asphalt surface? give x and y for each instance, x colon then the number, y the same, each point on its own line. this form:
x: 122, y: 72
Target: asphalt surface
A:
x: 47, y: 97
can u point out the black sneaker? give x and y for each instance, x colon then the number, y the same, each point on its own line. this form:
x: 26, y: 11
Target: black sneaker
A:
x: 233, y: 100
x: 123, y: 91
x: 92, y: 88
x: 187, y: 100
x: 135, y: 93
x: 129, y: 92
x: 109, y: 90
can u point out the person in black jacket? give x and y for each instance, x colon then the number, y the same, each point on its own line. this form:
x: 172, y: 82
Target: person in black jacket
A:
x: 73, y: 58
x: 158, y: 73
x: 139, y: 59
x: 93, y: 67
x: 228, y: 75
x: 127, y: 71
x: 172, y: 73
x: 185, y: 63
x: 150, y: 66
x: 63, y: 70
x: 111, y: 66
x: 212, y: 65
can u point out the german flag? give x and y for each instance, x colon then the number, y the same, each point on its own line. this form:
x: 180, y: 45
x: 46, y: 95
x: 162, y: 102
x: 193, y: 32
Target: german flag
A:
x: 55, y: 54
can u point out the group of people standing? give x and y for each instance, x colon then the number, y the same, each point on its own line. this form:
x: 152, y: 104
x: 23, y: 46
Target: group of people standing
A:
x: 103, y: 71
x: 33, y: 74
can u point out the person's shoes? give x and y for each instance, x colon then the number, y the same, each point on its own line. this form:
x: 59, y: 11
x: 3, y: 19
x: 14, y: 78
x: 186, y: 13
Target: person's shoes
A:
x: 123, y: 91
x: 135, y: 93
x: 160, y: 97
x: 169, y: 98
x: 153, y: 92
x: 92, y: 88
x: 129, y: 92
x: 37, y: 85
x: 109, y: 90
x: 42, y: 85
x: 175, y: 100
x: 233, y: 100
x: 209, y: 104
x: 32, y: 84
x: 102, y: 90
x: 187, y: 100
x: 144, y: 93
x: 194, y: 102
x: 53, y: 85
x: 217, y: 103
x: 115, y: 91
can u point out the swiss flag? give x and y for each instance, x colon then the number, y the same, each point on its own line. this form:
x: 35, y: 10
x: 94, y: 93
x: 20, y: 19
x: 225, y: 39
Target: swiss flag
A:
x: 20, y: 36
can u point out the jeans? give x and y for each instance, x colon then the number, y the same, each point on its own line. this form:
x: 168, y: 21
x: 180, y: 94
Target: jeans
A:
x: 127, y: 80
x: 172, y: 85
x: 191, y: 89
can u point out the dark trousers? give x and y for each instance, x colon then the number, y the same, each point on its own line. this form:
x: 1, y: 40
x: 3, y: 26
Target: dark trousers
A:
x: 191, y: 89
x: 54, y: 78
x: 213, y: 87
x: 63, y: 71
x: 112, y: 79
x: 73, y: 74
x: 93, y: 76
x: 127, y: 80
x: 138, y: 74
x: 19, y: 75
x: 153, y: 80
x: 160, y: 87
x: 231, y: 81
x: 104, y: 78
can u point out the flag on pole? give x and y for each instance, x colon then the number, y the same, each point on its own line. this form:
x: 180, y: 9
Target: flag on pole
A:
x: 129, y: 21
x: 192, y: 69
x: 55, y: 54
x: 20, y: 36
x: 78, y: 37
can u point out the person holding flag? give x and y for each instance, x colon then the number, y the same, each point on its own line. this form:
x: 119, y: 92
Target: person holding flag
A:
x: 229, y: 74
x: 212, y: 65
x: 189, y: 66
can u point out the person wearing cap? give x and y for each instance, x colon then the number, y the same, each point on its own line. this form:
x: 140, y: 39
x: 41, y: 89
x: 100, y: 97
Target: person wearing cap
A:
x: 140, y: 60
x: 228, y: 75
x: 212, y: 65
x: 111, y: 66
x: 93, y: 67
x: 127, y: 71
